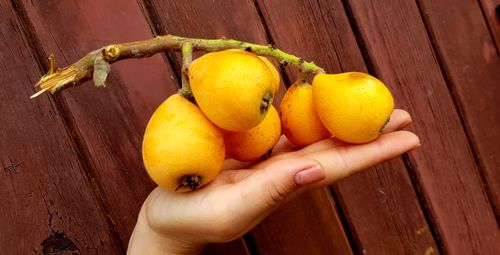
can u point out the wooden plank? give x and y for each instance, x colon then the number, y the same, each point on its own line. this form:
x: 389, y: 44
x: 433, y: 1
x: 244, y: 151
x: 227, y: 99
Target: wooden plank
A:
x: 236, y: 247
x: 491, y: 12
x: 108, y: 123
x: 379, y: 204
x: 311, y: 233
x: 313, y: 215
x: 401, y: 52
x: 46, y: 200
x: 474, y: 75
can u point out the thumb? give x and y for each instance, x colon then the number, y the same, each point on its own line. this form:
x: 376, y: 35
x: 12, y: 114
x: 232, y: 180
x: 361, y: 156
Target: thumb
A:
x: 271, y: 186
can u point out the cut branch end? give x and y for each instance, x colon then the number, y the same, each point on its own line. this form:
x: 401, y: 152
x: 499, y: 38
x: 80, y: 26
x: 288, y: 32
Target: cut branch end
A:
x: 96, y: 63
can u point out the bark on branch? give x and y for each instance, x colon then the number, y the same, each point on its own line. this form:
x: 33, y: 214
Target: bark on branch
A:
x: 96, y: 63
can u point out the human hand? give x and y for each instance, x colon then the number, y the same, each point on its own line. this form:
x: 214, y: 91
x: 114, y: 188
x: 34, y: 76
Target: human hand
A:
x: 237, y: 200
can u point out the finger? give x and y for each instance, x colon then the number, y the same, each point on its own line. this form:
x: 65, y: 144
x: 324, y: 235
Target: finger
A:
x: 230, y: 163
x: 283, y: 145
x: 398, y: 120
x: 340, y: 162
x: 267, y: 188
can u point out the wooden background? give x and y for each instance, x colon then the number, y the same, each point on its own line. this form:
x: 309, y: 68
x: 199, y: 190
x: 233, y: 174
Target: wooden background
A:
x: 73, y: 180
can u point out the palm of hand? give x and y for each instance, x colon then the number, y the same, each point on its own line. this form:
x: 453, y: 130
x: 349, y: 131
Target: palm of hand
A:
x: 237, y: 200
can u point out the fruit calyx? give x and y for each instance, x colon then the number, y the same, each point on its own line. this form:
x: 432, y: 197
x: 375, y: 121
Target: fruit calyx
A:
x: 267, y: 154
x: 266, y: 102
x: 189, y: 181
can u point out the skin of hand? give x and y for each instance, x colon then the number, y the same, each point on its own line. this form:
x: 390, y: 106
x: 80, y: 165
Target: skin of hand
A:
x: 237, y: 200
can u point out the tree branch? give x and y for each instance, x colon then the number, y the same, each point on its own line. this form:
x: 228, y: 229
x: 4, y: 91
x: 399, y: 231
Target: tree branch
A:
x: 187, y: 57
x: 83, y: 69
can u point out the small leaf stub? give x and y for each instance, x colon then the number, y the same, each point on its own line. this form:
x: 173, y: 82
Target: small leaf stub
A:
x: 101, y: 71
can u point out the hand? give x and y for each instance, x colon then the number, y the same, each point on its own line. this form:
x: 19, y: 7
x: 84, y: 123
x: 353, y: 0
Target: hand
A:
x: 237, y: 200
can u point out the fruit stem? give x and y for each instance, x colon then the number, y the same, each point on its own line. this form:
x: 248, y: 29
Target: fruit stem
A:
x: 301, y: 77
x: 187, y: 57
x: 83, y: 69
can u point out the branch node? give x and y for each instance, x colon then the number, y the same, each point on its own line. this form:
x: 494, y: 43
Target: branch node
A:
x: 97, y: 62
x: 111, y: 52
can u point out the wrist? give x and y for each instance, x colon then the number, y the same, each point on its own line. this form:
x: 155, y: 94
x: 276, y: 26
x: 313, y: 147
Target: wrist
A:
x: 145, y: 240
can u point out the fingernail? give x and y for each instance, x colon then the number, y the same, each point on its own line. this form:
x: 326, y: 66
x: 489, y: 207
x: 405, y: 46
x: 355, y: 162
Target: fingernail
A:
x: 308, y: 176
x: 416, y: 146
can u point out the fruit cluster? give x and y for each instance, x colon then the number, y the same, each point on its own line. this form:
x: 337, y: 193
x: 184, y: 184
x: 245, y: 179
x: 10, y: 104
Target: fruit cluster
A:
x: 186, y: 142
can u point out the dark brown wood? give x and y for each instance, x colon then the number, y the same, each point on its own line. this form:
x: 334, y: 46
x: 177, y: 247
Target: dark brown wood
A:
x: 306, y: 216
x: 302, y: 227
x: 236, y: 247
x: 491, y: 13
x: 107, y: 123
x: 379, y: 204
x: 474, y: 75
x: 401, y: 53
x: 71, y: 167
x: 46, y: 201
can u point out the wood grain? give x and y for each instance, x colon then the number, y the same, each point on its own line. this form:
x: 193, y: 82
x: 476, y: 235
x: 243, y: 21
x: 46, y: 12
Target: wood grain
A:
x: 107, y: 123
x: 305, y: 216
x: 72, y: 174
x: 401, y: 53
x: 380, y: 202
x: 473, y: 75
x: 46, y: 201
x: 491, y: 12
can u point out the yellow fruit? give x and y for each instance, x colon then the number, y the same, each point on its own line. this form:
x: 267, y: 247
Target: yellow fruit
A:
x: 274, y: 72
x: 299, y: 120
x: 182, y: 150
x: 254, y: 143
x: 353, y: 106
x: 233, y: 88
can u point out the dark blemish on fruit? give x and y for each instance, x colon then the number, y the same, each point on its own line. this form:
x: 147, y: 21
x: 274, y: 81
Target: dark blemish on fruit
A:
x: 249, y: 49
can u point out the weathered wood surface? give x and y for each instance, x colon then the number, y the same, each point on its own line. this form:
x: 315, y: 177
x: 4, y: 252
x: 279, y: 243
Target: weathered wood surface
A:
x: 47, y: 200
x: 72, y: 161
x: 491, y: 12
x: 474, y: 76
x: 107, y: 123
x: 401, y: 53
